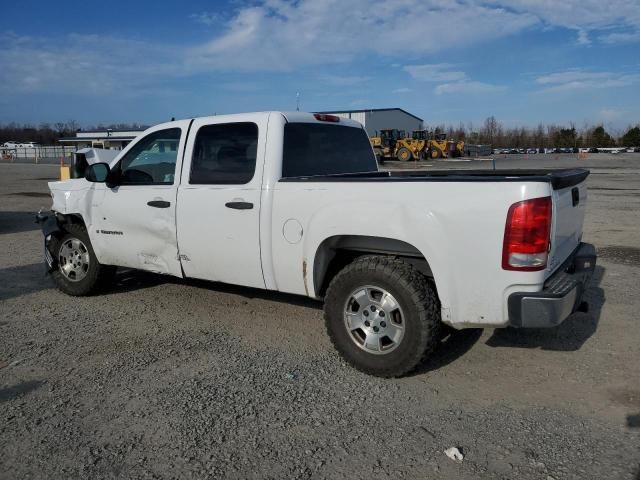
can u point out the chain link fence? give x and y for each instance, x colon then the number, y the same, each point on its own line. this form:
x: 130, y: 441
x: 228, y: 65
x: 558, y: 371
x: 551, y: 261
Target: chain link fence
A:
x: 39, y: 154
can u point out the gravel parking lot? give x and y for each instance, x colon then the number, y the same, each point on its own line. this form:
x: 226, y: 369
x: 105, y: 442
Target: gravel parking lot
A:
x: 163, y: 378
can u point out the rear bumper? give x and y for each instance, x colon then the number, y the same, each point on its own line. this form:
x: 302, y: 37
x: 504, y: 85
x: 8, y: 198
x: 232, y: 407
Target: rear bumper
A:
x: 560, y: 296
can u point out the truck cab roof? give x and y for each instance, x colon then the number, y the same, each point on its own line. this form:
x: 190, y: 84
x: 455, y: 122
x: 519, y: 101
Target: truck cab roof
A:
x: 292, y: 117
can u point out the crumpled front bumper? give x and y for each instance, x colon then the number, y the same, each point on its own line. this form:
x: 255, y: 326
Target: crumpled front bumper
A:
x: 49, y: 224
x: 560, y: 296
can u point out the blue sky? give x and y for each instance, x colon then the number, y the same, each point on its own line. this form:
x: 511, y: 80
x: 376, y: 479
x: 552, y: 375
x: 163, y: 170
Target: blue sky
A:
x: 447, y: 61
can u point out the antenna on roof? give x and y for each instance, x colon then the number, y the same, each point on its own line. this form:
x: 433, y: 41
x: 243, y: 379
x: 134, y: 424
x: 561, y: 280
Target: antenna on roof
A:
x: 297, y: 101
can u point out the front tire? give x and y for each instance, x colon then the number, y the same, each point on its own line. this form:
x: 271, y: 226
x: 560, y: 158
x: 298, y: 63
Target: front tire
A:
x: 78, y: 271
x: 382, y: 315
x: 404, y: 154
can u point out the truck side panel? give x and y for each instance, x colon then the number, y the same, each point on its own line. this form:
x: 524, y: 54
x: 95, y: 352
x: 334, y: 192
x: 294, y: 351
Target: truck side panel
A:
x: 458, y: 228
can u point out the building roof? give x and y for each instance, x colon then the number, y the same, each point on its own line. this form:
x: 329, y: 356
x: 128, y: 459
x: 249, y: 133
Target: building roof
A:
x: 96, y: 138
x: 114, y: 130
x: 374, y: 110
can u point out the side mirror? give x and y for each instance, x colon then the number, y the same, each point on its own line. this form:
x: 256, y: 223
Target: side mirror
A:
x: 97, y: 172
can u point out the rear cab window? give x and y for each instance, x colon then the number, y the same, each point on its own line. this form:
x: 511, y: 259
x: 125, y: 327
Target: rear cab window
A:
x: 312, y: 149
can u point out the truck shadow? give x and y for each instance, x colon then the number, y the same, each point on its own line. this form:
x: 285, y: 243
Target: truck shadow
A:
x: 255, y: 293
x: 10, y: 393
x: 128, y: 280
x: 453, y: 345
x: 131, y: 280
x: 570, y: 335
x: 23, y: 280
x: 17, y: 222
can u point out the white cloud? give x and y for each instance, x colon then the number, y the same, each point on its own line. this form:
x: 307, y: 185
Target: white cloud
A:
x: 454, y: 81
x: 205, y: 18
x: 583, y: 38
x: 285, y: 35
x: 440, y: 72
x: 620, y: 18
x: 281, y: 35
x: 83, y: 64
x: 468, y: 87
x: 342, y: 81
x: 573, y: 80
x: 620, y: 37
x: 578, y: 14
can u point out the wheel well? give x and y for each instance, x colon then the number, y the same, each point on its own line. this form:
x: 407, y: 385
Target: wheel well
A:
x: 70, y: 218
x: 338, y: 251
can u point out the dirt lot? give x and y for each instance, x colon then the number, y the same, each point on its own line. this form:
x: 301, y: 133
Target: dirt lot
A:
x: 163, y: 378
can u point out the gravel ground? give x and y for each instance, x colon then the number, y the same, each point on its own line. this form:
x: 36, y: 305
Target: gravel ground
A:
x: 162, y: 378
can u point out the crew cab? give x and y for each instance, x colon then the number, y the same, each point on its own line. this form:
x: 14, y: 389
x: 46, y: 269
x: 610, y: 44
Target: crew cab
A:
x: 294, y: 202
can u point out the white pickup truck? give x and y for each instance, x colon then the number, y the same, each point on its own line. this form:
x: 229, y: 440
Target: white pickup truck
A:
x: 294, y: 202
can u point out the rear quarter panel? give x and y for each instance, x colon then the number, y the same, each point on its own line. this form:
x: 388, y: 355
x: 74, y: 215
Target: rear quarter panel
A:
x: 457, y: 226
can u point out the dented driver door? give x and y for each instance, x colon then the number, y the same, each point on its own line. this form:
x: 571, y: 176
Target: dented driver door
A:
x: 135, y: 220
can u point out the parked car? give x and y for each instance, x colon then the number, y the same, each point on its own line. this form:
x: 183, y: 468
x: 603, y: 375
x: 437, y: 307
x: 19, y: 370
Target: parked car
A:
x: 593, y: 150
x: 300, y: 207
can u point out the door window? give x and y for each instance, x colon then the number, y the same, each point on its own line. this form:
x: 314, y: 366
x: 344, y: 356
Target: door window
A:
x: 224, y: 154
x: 152, y: 160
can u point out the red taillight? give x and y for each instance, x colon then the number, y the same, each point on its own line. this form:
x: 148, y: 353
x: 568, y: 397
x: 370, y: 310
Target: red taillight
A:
x: 526, y: 235
x: 323, y: 117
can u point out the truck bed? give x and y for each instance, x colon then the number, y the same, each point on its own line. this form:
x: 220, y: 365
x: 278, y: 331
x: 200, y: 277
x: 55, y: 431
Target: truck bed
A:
x: 558, y: 178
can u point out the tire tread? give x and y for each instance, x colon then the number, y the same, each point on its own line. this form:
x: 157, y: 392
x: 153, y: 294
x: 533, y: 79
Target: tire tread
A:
x: 422, y: 294
x: 97, y: 278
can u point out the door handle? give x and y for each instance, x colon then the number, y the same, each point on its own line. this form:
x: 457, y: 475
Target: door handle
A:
x: 159, y: 204
x: 239, y: 205
x: 575, y: 196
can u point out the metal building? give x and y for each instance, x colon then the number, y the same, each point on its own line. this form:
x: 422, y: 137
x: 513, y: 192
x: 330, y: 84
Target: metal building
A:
x: 109, y: 138
x: 375, y: 119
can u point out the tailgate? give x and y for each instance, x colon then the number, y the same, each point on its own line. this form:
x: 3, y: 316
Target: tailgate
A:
x: 569, y: 206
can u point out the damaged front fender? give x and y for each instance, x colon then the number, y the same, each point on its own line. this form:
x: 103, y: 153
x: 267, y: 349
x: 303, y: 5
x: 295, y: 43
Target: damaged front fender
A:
x: 50, y: 227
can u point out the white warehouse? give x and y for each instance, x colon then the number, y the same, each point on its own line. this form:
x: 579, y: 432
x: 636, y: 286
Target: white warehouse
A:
x: 375, y: 119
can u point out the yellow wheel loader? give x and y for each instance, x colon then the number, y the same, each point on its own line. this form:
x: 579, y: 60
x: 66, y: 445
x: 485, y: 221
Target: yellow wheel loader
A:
x: 391, y: 144
x: 384, y: 144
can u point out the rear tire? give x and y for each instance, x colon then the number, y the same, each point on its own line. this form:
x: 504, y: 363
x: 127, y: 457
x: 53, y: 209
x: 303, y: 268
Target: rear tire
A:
x: 78, y: 271
x: 406, y: 333
x: 379, y: 155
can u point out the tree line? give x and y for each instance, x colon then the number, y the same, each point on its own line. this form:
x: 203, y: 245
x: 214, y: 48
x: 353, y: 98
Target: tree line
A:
x: 50, y: 133
x: 492, y: 132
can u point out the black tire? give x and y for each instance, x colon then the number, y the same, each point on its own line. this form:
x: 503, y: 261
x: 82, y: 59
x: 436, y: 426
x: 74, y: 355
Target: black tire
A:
x: 97, y: 275
x: 404, y: 154
x: 435, y: 153
x: 379, y: 155
x: 417, y: 299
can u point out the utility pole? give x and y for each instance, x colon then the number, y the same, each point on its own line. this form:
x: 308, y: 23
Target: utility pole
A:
x: 297, y: 101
